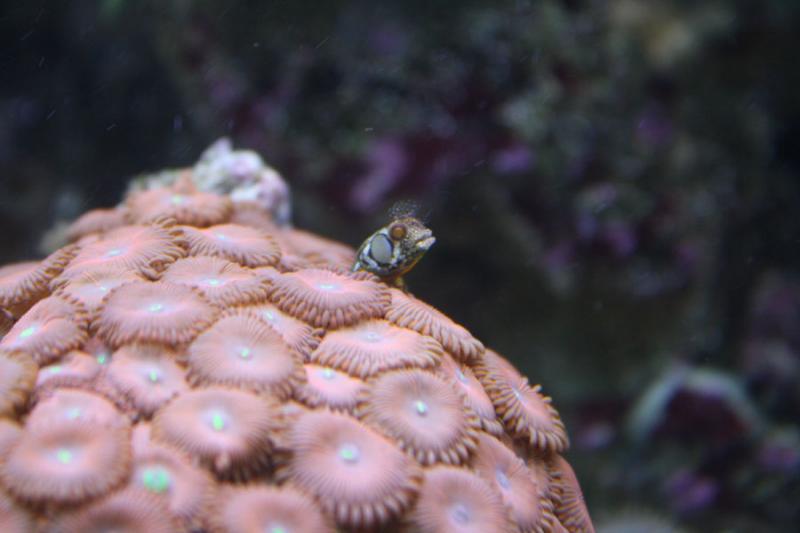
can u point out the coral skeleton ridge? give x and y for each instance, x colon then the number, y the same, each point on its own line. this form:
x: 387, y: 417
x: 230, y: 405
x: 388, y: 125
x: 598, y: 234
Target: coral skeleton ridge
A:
x: 190, y: 362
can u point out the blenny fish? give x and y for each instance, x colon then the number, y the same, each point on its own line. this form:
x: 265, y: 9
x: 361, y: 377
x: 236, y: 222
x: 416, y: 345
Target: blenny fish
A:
x: 395, y: 249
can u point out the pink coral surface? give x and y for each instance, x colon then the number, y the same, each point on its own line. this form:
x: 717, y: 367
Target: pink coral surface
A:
x: 203, y: 379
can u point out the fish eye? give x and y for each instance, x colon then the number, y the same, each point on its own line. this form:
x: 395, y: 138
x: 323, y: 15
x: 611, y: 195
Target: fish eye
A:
x: 397, y: 231
x: 381, y: 250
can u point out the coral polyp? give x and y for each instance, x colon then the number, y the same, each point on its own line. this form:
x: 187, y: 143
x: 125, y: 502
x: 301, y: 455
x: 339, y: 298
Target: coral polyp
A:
x: 181, y: 202
x: 23, y: 284
x: 375, y: 346
x: 161, y: 312
x: 191, y: 363
x: 92, y: 286
x: 242, y: 351
x: 224, y: 283
x: 49, y: 329
x: 359, y: 476
x: 408, y: 312
x: 526, y: 412
x: 146, y: 377
x: 226, y: 429
x: 248, y: 246
x: 424, y: 414
x: 332, y: 388
x: 66, y: 462
x: 96, y: 221
x: 570, y: 507
x: 299, y: 335
x: 454, y: 499
x: 271, y: 509
x: 145, y: 250
x: 76, y: 369
x: 465, y: 381
x: 522, y: 491
x: 131, y: 509
x: 187, y: 489
x: 66, y: 404
x: 329, y: 299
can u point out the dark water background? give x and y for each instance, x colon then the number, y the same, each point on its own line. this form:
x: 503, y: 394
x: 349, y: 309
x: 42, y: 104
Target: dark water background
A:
x: 613, y: 184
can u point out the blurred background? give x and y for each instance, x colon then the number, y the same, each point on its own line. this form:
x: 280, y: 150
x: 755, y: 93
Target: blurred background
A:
x: 613, y: 184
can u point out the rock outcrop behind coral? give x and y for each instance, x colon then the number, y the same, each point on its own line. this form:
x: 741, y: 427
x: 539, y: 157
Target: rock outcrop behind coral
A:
x: 188, y: 364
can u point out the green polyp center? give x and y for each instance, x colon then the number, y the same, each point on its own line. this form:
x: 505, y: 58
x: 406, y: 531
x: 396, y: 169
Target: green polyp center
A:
x: 214, y: 282
x: 73, y: 413
x: 421, y: 407
x: 153, y: 376
x: 327, y: 373
x: 114, y: 252
x: 276, y: 528
x: 102, y: 358
x: 269, y: 315
x: 64, y: 456
x: 54, y: 369
x: 245, y: 352
x: 349, y: 453
x: 177, y: 199
x: 156, y: 479
x: 218, y: 421
x: 155, y: 308
x: 221, y: 236
x: 327, y: 286
x: 461, y: 377
x: 27, y: 332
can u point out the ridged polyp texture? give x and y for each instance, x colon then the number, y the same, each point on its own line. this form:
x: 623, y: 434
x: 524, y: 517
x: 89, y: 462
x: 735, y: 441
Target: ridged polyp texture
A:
x: 189, y: 362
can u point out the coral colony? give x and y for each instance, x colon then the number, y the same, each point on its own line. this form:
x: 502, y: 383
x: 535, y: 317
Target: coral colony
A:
x: 190, y: 362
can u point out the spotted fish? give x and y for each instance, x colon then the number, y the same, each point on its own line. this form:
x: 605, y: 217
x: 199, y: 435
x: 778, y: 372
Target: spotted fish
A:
x: 395, y: 248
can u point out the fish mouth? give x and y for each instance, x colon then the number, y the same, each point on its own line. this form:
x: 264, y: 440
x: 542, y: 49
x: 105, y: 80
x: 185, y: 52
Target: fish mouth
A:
x: 426, y: 243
